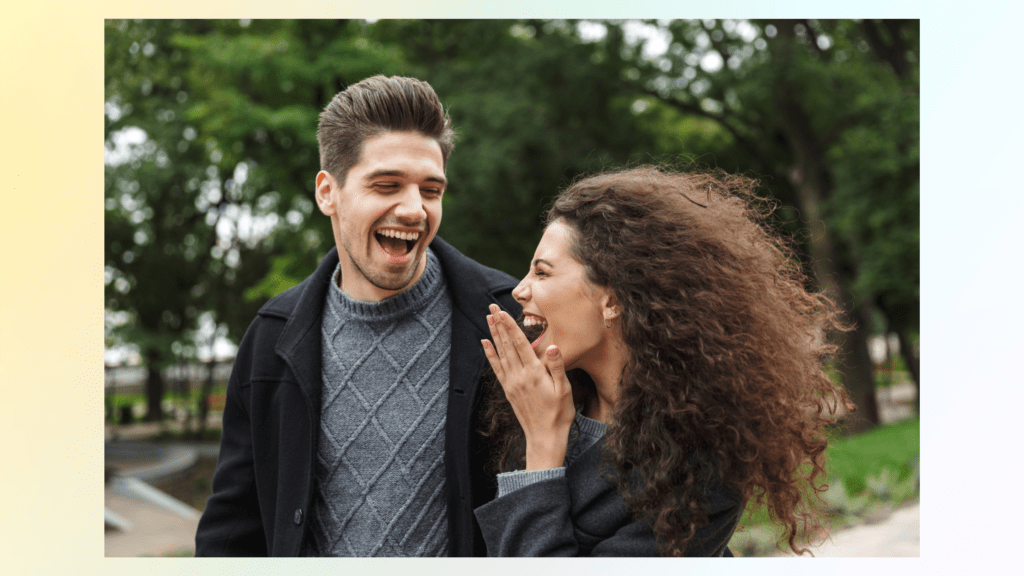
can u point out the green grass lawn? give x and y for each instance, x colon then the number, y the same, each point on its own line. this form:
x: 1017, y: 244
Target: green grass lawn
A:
x: 138, y: 399
x: 894, y: 446
x: 867, y: 472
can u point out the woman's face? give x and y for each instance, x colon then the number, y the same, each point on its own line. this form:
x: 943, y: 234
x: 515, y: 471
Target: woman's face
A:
x: 556, y: 295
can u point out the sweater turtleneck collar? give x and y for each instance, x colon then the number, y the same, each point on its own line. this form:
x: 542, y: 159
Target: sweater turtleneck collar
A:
x: 401, y: 304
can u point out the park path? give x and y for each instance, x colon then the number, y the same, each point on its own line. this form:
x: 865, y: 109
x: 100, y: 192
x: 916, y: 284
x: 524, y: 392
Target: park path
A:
x: 897, y: 535
x: 162, y: 530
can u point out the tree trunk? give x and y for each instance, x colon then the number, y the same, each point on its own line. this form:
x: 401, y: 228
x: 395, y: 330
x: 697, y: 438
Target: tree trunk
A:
x: 907, y: 351
x: 898, y: 326
x: 853, y: 359
x: 859, y: 374
x: 154, y: 387
x: 810, y: 179
x: 204, y: 397
x: 186, y: 391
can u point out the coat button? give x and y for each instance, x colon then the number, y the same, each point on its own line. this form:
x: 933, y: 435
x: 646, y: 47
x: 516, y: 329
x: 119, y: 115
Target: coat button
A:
x: 298, y: 516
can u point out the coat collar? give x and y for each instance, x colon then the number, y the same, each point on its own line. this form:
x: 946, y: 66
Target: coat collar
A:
x: 473, y: 288
x: 299, y: 344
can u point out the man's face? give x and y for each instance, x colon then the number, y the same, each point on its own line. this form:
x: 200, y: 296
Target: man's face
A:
x: 386, y: 214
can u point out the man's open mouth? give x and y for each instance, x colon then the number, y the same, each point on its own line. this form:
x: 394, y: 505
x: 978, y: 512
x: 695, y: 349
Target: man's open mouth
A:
x: 396, y: 242
x: 533, y: 326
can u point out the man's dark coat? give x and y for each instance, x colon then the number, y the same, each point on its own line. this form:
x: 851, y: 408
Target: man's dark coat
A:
x: 262, y: 487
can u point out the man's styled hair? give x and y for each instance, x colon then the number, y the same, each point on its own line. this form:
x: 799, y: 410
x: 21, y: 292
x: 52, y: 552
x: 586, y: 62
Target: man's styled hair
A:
x: 375, y: 106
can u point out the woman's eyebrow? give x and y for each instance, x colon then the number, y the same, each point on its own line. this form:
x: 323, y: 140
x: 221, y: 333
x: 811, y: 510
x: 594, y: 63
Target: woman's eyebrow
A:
x: 542, y: 261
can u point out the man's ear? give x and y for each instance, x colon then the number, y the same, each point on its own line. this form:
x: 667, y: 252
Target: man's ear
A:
x: 325, y: 185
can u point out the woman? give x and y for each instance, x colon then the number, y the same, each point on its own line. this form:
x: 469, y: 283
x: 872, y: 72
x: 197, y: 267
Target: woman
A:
x: 695, y: 354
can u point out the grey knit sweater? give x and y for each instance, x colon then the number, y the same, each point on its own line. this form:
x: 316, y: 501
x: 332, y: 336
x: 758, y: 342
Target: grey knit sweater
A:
x: 380, y: 457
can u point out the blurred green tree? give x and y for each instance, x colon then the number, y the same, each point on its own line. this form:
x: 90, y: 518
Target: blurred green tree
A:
x: 533, y: 111
x: 211, y: 138
x: 826, y: 113
x: 210, y: 210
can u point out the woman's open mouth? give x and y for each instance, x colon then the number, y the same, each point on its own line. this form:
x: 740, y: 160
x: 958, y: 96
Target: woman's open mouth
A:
x: 534, y: 328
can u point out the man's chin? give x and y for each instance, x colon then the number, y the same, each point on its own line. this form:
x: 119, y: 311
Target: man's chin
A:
x: 397, y: 278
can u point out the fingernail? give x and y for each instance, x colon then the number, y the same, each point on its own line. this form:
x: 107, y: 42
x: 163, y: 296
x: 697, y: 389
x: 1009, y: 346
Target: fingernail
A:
x: 485, y: 343
x: 552, y: 351
x: 490, y: 320
x: 493, y: 308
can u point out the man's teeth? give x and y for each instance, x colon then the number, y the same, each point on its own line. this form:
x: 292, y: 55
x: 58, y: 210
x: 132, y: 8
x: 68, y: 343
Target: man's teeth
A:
x: 410, y: 236
x: 531, y: 321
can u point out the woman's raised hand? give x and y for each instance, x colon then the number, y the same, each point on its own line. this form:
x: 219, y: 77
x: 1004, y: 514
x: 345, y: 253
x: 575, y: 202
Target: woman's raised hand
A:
x: 539, y: 392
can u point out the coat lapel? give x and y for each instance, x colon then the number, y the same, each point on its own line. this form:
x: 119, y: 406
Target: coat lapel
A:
x: 299, y: 344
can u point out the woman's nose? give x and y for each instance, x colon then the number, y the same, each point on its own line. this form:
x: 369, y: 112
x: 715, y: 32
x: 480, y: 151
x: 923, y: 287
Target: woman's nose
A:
x: 521, y: 291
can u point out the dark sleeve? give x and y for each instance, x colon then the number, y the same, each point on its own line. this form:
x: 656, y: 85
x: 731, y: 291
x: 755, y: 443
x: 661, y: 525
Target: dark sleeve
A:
x: 724, y: 511
x: 536, y: 521
x: 231, y: 525
x: 531, y: 521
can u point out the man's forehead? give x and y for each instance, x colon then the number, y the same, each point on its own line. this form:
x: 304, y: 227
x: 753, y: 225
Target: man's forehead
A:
x: 408, y: 155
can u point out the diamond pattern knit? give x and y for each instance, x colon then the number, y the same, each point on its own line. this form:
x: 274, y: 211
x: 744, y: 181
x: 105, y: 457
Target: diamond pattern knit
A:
x: 380, y: 463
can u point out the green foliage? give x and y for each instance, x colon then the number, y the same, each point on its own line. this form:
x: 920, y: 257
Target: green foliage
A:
x: 868, y: 475
x: 896, y: 447
x: 210, y: 435
x: 532, y: 112
x: 825, y: 113
x: 114, y: 402
x: 212, y: 212
x: 219, y: 186
x: 285, y: 272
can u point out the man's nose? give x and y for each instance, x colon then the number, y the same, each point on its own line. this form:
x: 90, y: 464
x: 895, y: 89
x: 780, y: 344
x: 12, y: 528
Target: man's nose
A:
x: 410, y: 206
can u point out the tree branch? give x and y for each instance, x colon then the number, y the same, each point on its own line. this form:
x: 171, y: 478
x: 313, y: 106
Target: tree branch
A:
x: 825, y: 56
x: 690, y: 108
x: 893, y: 53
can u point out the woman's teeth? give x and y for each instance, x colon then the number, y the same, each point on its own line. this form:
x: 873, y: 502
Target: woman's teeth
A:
x: 532, y: 321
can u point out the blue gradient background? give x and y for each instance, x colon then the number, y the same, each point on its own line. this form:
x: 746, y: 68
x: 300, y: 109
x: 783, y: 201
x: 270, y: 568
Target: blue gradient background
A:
x: 51, y: 327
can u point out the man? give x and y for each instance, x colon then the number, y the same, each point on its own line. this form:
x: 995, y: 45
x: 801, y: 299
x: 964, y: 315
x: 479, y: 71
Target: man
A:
x: 348, y: 423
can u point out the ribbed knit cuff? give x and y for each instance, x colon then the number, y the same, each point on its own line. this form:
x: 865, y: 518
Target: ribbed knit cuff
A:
x: 511, y: 481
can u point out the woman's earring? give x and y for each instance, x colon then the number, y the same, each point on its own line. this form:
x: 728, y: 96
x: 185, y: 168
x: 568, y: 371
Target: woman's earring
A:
x: 607, y: 319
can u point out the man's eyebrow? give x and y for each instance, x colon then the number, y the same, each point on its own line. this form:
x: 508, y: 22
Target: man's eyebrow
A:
x: 402, y: 174
x: 543, y: 261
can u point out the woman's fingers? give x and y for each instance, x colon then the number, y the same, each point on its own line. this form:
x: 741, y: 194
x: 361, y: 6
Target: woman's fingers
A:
x: 556, y: 367
x: 519, y: 342
x: 493, y: 360
x: 538, y: 390
x: 498, y: 352
x: 504, y: 329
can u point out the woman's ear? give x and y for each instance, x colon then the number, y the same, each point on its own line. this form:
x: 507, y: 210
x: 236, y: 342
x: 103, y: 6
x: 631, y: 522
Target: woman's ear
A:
x: 325, y: 185
x: 610, y: 308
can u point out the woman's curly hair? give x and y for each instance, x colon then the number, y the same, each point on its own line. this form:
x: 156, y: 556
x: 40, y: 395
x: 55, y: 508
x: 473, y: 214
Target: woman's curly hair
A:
x: 726, y: 349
